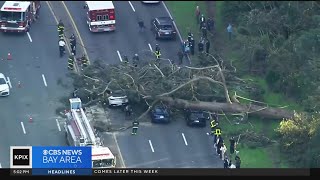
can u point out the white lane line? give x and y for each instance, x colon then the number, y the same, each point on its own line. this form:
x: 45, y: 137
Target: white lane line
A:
x: 29, y: 37
x: 151, y: 146
x: 9, y: 82
x: 119, y: 56
x: 185, y: 140
x: 44, y: 80
x: 150, y: 47
x: 132, y: 6
x: 165, y: 7
x: 23, y: 129
x: 58, y: 124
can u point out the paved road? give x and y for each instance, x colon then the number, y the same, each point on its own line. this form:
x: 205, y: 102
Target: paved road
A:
x: 35, y: 97
x: 126, y: 39
x: 168, y: 144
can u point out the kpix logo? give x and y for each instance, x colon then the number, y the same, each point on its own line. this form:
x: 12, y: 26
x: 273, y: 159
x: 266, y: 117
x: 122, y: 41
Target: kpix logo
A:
x: 21, y: 157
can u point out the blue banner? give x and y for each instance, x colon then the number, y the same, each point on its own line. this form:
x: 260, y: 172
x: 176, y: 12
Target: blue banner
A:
x: 61, y: 157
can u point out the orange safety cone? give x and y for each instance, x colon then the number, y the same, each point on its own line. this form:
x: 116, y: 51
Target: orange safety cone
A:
x: 9, y: 56
x: 30, y: 119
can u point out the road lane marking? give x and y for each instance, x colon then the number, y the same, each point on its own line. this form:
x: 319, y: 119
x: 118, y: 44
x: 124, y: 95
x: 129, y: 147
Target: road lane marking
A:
x: 165, y: 7
x: 77, y: 31
x: 132, y: 6
x: 119, y: 56
x: 9, y: 82
x: 120, y: 154
x: 184, y: 139
x: 29, y: 37
x: 44, y: 80
x: 150, y: 47
x: 23, y: 129
x: 151, y: 146
x: 58, y: 125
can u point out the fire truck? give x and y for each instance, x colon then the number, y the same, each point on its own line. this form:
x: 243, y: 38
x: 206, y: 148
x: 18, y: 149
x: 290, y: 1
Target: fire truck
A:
x: 79, y: 132
x: 17, y: 16
x: 100, y: 16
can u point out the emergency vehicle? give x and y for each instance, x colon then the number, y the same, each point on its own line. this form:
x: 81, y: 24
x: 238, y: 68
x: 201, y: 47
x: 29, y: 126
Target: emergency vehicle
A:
x: 17, y: 16
x: 79, y: 132
x: 100, y: 16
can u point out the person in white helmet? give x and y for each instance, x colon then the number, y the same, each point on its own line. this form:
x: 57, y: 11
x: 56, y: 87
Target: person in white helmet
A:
x: 62, y: 45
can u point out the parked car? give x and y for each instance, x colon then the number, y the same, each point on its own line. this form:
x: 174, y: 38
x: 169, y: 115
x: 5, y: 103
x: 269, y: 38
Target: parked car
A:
x: 163, y: 28
x: 118, y: 98
x: 160, y: 114
x: 4, y: 87
x: 150, y: 2
x: 196, y: 118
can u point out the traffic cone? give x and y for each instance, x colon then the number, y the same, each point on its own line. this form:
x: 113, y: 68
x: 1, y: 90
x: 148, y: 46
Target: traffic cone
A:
x: 30, y: 119
x: 19, y: 84
x: 9, y: 56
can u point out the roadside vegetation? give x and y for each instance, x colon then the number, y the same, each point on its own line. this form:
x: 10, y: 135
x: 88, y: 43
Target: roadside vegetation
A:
x: 275, y: 48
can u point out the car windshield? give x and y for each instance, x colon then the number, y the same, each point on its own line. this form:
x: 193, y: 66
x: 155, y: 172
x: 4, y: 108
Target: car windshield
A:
x: 2, y: 81
x: 102, y: 163
x: 160, y: 111
x: 165, y: 27
x: 11, y: 16
x: 118, y: 94
x: 196, y: 115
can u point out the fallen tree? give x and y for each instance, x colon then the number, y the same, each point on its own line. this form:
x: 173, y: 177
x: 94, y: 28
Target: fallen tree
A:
x: 181, y: 87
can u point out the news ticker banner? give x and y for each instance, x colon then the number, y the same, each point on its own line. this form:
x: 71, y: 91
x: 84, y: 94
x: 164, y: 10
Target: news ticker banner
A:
x: 163, y: 172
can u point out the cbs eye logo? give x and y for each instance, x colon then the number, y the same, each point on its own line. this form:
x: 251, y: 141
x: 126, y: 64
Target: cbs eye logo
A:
x: 21, y: 157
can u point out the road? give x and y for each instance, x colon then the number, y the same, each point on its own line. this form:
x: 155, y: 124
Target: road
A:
x: 42, y: 75
x: 174, y: 145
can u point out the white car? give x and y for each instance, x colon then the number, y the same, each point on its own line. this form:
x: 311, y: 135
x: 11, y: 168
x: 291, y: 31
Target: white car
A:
x: 4, y: 87
x: 150, y: 2
x: 117, y: 99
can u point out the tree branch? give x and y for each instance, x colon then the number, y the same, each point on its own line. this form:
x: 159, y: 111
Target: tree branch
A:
x: 158, y: 70
x: 147, y: 111
x: 97, y: 80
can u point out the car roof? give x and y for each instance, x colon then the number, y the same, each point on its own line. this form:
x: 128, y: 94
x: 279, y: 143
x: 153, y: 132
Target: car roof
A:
x: 2, y: 75
x: 164, y: 20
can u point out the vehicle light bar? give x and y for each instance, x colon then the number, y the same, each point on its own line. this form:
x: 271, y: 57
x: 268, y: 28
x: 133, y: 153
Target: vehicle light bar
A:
x: 101, y: 154
x: 8, y: 8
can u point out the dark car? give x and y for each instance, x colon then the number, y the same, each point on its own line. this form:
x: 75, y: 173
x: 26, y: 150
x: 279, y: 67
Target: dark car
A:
x: 159, y: 114
x: 163, y: 28
x: 196, y: 118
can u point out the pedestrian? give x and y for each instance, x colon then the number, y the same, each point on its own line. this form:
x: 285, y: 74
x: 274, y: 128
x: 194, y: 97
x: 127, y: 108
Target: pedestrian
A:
x: 197, y: 14
x: 180, y: 57
x: 190, y: 36
x: 135, y: 126
x: 226, y: 163
x: 192, y: 46
x: 219, y: 144
x: 207, y: 47
x: 238, y: 161
x: 210, y: 24
x: 128, y: 110
x: 141, y: 25
x: 74, y: 94
x: 223, y: 151
x: 202, y: 19
x: 229, y: 30
x: 62, y: 45
x: 232, y: 145
x: 73, y: 43
x: 200, y: 46
x: 135, y: 60
x: 61, y: 28
x: 204, y: 31
x: 157, y: 47
x: 125, y: 59
x: 186, y: 48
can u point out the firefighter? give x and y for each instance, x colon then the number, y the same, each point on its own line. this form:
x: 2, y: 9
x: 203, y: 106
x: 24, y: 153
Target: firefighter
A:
x: 202, y: 19
x: 204, y: 31
x: 141, y: 25
x: 84, y: 61
x: 213, y: 125
x: 157, y: 53
x: 191, y: 45
x: 135, y: 60
x: 190, y: 36
x: 135, y: 126
x: 62, y: 45
x: 125, y: 59
x: 73, y: 43
x: 200, y: 46
x: 180, y: 57
x: 207, y: 46
x: 157, y: 47
x: 61, y: 29
x: 70, y: 62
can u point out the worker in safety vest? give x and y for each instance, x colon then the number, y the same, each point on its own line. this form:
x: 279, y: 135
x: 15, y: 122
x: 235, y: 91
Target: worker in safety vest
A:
x: 61, y: 29
x: 213, y: 125
x: 135, y: 125
x: 216, y: 134
x: 70, y: 62
x: 84, y: 61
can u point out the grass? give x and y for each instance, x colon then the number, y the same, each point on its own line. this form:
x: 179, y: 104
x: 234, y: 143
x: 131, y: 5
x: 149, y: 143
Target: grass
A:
x: 184, y: 16
x: 266, y: 157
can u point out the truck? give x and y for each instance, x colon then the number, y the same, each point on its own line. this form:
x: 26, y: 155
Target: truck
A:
x: 79, y: 132
x: 17, y: 16
x: 100, y: 16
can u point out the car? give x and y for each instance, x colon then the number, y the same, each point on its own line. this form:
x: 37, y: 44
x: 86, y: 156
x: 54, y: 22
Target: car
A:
x: 163, y: 28
x: 4, y: 87
x: 118, y: 98
x: 196, y: 118
x: 150, y: 2
x: 160, y: 114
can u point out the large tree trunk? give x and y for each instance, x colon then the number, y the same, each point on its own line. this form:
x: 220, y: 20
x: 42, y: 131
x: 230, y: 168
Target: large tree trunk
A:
x: 269, y: 112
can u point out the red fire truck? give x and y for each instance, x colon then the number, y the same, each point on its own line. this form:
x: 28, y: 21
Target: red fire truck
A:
x: 17, y: 16
x: 100, y: 16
